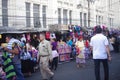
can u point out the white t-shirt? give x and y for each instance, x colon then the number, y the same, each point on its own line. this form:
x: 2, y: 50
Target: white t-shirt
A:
x: 99, y: 42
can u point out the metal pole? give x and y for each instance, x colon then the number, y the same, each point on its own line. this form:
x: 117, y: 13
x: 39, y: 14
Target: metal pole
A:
x: 88, y: 13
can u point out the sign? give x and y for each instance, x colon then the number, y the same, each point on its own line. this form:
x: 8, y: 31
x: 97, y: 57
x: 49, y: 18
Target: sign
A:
x: 64, y: 27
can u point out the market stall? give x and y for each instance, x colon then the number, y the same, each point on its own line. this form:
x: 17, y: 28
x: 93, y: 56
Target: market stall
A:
x: 64, y: 52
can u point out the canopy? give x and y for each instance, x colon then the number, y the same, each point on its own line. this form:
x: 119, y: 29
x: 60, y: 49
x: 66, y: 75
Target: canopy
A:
x: 18, y: 31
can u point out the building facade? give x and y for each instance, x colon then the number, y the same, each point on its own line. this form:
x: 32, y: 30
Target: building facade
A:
x: 39, y: 14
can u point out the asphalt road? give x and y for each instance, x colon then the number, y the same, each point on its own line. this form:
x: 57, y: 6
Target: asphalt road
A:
x: 68, y: 71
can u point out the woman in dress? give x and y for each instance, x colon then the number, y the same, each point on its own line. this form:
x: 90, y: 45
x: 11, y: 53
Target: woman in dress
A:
x: 80, y: 57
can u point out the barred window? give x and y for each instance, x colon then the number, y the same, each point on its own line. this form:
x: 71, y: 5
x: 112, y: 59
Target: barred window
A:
x: 59, y: 16
x: 28, y: 18
x: 5, y: 13
x: 44, y: 16
x: 36, y: 15
x: 65, y: 18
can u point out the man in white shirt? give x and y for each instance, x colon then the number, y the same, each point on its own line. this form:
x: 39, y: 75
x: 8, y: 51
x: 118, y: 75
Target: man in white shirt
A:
x: 101, y: 53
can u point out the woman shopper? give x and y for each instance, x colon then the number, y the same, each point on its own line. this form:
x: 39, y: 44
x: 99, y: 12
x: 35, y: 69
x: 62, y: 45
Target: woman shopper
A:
x: 80, y: 57
x: 55, y: 54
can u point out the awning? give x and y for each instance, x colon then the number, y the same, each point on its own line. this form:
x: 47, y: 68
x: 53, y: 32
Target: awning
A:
x: 57, y: 27
x: 18, y: 31
x: 86, y: 29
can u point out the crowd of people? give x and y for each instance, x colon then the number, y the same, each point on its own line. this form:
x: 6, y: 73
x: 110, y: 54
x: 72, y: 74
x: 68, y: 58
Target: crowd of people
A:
x: 21, y: 57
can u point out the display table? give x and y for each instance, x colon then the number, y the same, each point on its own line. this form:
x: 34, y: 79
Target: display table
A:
x: 64, y: 52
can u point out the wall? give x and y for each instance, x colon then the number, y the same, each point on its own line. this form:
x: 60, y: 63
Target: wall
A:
x: 17, y: 12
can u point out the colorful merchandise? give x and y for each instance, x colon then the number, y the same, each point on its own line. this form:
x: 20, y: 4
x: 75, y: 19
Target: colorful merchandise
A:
x: 8, y: 66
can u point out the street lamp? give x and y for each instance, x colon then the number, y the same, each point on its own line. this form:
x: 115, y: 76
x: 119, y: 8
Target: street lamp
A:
x: 89, y: 1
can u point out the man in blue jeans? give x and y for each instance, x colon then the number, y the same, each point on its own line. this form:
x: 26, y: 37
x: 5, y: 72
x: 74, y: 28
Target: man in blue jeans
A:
x: 14, y: 50
x: 101, y: 53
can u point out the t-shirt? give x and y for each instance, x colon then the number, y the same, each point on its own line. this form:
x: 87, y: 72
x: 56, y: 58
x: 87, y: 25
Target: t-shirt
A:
x: 9, y: 45
x: 70, y: 43
x: 99, y: 42
x: 54, y: 45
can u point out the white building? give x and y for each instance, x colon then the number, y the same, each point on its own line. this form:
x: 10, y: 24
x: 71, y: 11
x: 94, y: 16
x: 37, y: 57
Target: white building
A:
x: 116, y: 8
x: 39, y: 14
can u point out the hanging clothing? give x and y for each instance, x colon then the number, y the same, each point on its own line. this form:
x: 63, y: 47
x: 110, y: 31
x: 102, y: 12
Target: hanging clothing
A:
x: 8, y: 66
x: 47, y: 35
x: 52, y: 35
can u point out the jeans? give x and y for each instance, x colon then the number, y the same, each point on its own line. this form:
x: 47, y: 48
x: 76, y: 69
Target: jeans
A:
x: 54, y: 63
x: 97, y: 68
x: 18, y: 72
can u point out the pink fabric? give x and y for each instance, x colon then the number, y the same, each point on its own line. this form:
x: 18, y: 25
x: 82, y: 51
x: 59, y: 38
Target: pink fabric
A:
x: 79, y: 60
x: 55, y: 54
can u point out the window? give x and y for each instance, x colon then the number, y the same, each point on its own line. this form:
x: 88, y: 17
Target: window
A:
x: 59, y: 16
x: 70, y: 17
x: 5, y: 13
x: 81, y: 18
x: 99, y: 20
x: 28, y: 19
x: 85, y: 20
x: 110, y: 22
x: 44, y: 16
x: 36, y: 15
x: 65, y: 18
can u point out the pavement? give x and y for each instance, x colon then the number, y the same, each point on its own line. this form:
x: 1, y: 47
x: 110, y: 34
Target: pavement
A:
x: 68, y: 71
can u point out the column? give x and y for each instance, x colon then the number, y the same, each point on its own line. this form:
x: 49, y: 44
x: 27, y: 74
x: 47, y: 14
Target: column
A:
x: 32, y: 19
x: 61, y: 15
x: 0, y: 13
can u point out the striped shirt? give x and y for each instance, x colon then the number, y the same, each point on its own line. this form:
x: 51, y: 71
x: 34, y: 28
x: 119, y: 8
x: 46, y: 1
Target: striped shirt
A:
x: 9, y: 46
x: 15, y: 59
